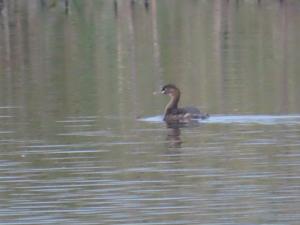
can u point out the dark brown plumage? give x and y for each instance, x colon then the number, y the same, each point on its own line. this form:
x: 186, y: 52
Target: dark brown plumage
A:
x: 173, y: 113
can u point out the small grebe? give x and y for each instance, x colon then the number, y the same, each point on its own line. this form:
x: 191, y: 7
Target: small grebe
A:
x: 173, y: 113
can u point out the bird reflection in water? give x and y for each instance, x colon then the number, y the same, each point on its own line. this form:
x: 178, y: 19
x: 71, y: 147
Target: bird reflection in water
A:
x: 173, y: 135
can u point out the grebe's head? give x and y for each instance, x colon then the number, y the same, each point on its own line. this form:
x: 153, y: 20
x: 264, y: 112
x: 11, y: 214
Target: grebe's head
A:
x: 170, y: 90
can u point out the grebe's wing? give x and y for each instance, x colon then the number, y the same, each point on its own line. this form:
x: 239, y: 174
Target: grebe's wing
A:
x: 194, y: 112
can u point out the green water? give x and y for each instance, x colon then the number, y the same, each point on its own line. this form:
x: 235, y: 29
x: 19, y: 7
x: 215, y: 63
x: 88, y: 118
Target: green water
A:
x: 72, y: 86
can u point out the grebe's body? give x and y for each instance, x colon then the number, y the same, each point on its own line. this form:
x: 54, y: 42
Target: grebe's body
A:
x: 173, y: 113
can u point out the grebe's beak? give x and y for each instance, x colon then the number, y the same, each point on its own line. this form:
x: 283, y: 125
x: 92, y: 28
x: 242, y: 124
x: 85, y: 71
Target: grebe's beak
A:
x: 163, y: 90
x: 159, y: 92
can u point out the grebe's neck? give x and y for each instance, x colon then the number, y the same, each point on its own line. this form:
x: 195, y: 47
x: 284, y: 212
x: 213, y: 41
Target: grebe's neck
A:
x: 173, y: 103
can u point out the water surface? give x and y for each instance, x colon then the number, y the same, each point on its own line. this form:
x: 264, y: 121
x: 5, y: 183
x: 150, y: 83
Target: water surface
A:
x: 74, y: 81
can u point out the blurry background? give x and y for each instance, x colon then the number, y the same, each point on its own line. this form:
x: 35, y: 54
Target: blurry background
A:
x: 75, y: 75
x: 107, y: 57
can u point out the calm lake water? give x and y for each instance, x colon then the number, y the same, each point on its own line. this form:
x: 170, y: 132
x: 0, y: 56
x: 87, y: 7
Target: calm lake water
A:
x: 81, y: 136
